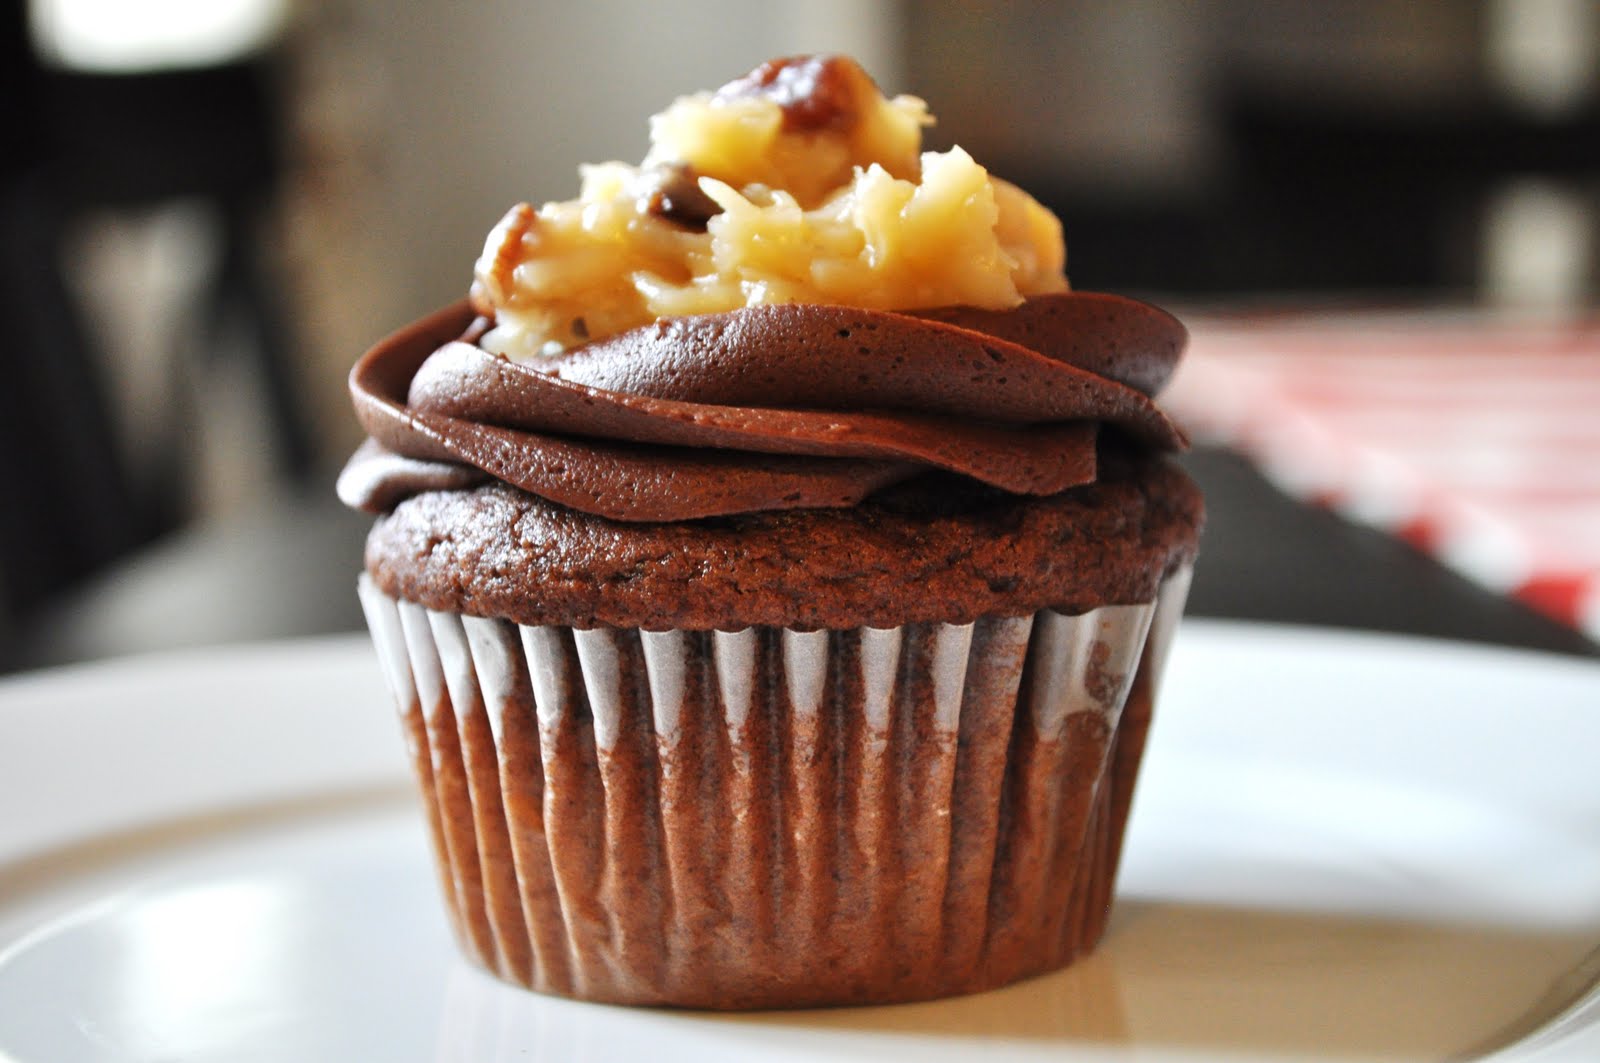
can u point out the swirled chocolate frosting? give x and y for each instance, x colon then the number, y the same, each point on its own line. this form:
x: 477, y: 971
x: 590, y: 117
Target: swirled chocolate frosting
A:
x: 765, y: 408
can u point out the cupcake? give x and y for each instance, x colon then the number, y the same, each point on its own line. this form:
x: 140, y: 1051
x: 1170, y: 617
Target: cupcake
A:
x: 773, y: 565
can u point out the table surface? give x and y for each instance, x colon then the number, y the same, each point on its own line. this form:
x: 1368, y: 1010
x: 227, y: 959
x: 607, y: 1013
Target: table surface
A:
x: 1268, y: 557
x: 1264, y: 557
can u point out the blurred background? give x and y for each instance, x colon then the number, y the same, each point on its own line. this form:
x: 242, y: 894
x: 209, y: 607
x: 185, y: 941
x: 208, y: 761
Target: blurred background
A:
x: 209, y: 209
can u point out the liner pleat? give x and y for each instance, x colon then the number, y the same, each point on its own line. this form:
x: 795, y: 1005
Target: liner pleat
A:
x: 383, y: 619
x: 449, y: 795
x: 771, y: 817
x: 480, y: 759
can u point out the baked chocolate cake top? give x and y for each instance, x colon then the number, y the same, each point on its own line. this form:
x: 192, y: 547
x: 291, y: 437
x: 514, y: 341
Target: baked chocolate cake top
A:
x: 936, y: 549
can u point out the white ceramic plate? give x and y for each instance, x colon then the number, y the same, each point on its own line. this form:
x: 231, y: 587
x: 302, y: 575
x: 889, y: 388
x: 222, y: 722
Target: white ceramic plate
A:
x: 1346, y: 847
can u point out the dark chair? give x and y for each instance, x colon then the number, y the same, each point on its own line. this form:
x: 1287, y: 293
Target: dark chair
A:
x: 69, y: 504
x: 1348, y: 195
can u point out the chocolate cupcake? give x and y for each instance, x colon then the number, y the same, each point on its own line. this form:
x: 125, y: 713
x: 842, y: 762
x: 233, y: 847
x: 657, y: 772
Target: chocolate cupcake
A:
x: 773, y: 567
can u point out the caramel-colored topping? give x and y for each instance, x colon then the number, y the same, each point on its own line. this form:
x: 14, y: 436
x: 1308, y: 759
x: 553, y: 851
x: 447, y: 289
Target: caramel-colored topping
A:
x: 672, y: 192
x: 494, y: 281
x: 815, y: 92
x: 798, y: 183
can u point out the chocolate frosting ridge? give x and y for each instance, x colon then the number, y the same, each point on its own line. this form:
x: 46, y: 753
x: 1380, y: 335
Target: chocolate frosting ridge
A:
x: 766, y: 408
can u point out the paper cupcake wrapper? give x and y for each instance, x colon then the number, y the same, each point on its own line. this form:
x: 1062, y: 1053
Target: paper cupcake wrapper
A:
x: 771, y: 817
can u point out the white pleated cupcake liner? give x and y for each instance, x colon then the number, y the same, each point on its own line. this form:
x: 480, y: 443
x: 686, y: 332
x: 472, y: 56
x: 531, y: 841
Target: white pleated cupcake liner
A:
x: 772, y: 817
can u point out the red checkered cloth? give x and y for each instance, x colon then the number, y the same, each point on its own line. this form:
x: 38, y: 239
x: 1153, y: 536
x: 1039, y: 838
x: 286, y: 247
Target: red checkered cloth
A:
x: 1475, y: 439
